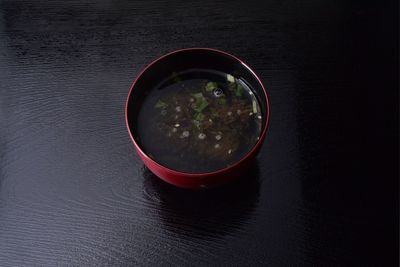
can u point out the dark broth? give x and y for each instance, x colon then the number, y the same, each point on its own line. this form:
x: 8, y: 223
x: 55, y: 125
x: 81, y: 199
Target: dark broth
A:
x: 199, y: 121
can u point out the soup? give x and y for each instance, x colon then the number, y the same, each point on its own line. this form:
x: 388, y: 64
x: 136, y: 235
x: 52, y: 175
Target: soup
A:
x: 199, y: 121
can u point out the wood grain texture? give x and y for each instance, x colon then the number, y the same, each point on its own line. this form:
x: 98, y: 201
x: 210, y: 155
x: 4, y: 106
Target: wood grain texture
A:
x: 323, y: 191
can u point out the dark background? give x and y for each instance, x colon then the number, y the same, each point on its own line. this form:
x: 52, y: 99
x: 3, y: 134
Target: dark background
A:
x: 322, y: 193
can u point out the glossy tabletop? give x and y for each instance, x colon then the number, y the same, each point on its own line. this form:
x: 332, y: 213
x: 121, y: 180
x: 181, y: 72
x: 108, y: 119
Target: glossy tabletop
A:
x: 323, y: 191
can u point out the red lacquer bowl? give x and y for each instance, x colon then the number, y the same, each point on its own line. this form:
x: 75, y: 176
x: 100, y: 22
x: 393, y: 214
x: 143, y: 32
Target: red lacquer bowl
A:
x: 177, y: 61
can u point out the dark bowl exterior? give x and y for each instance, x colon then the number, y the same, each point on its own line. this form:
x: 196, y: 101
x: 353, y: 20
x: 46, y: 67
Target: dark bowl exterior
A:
x: 197, y: 180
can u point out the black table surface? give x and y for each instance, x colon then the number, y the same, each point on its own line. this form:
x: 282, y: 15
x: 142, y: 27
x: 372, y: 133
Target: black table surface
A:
x: 323, y: 191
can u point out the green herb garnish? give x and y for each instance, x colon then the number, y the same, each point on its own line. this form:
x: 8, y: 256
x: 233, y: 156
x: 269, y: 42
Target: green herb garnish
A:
x: 230, y: 78
x: 254, y: 106
x: 201, y: 102
x: 222, y: 101
x: 210, y: 86
x: 199, y: 116
x: 161, y: 104
x: 238, y: 89
x: 234, y: 86
x: 201, y: 106
x: 198, y: 95
x: 231, y: 86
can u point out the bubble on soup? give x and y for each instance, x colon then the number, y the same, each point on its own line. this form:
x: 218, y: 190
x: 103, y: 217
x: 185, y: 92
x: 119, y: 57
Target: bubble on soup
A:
x: 205, y: 120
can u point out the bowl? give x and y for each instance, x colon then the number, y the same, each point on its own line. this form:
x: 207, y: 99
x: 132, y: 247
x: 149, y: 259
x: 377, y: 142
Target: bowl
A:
x: 197, y: 117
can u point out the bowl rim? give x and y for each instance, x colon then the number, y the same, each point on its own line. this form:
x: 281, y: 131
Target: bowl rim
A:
x: 220, y: 171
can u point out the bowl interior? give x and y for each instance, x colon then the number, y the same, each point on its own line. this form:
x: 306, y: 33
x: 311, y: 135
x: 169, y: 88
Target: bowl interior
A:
x: 181, y: 61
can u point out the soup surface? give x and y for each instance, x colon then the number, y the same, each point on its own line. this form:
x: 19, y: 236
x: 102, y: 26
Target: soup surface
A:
x: 199, y: 121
